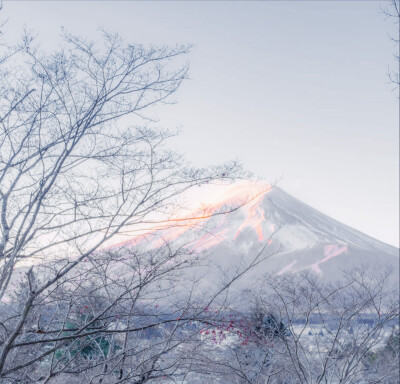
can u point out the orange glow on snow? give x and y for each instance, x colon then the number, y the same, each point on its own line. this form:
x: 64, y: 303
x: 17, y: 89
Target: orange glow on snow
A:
x: 209, y: 240
x: 330, y: 251
x: 255, y: 217
x: 287, y: 268
x: 244, y: 196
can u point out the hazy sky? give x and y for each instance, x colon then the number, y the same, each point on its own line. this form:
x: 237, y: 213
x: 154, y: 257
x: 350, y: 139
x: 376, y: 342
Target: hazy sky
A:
x: 297, y: 90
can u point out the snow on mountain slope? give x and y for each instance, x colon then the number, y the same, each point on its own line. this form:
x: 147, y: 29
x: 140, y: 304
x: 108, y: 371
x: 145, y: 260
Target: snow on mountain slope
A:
x: 295, y: 236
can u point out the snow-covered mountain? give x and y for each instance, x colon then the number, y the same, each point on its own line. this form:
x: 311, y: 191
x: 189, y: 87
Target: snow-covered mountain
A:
x: 293, y: 235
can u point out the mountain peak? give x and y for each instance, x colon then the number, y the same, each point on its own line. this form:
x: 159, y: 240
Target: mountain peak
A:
x: 238, y: 220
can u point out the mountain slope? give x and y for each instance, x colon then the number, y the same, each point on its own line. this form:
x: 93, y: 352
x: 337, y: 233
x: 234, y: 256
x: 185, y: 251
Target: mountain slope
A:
x: 293, y: 235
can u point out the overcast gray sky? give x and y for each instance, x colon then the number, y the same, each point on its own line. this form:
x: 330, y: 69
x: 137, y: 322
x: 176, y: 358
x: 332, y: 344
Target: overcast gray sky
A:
x: 297, y: 90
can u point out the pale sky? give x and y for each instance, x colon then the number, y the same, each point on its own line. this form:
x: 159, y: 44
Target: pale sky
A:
x: 297, y: 90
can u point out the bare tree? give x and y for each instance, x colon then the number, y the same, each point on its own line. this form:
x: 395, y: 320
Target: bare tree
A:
x: 79, y: 164
x: 392, y: 11
x: 316, y: 332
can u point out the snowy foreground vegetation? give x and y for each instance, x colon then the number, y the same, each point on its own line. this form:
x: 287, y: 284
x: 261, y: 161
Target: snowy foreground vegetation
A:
x: 148, y: 323
x: 81, y: 165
